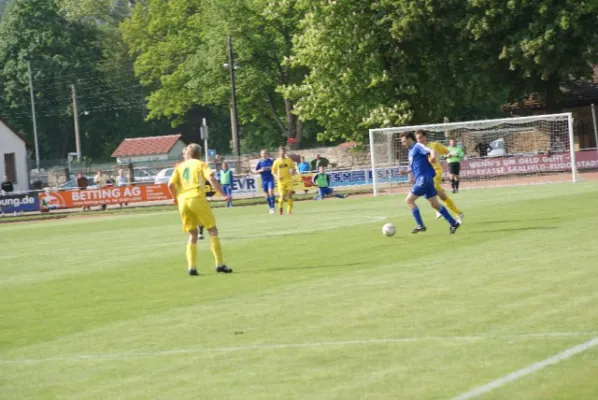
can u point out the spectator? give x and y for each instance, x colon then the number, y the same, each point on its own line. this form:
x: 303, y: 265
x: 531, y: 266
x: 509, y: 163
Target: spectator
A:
x: 7, y: 189
x: 482, y: 149
x: 121, y: 180
x: 558, y: 146
x: 319, y: 162
x: 303, y: 166
x: 82, y: 184
x: 101, y: 180
x: 226, y: 181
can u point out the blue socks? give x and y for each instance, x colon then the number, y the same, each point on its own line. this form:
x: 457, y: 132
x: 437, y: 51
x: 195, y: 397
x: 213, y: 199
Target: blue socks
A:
x: 444, y: 212
x: 417, y: 216
x: 271, y: 201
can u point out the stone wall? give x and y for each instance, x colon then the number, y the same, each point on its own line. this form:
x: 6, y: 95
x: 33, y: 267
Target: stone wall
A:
x: 344, y: 156
x: 58, y: 177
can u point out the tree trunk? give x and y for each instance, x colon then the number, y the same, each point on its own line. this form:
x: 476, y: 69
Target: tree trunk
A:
x: 292, y: 125
x: 552, y: 92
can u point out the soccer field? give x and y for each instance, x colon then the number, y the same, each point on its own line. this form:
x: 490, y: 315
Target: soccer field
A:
x: 320, y: 306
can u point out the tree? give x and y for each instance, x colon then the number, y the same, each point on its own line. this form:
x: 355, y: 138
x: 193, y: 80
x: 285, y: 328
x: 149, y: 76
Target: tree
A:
x: 541, y: 43
x: 386, y: 63
x: 180, y: 48
x: 59, y: 51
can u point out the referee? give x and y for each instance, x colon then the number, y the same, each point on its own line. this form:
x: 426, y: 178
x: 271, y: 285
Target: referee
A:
x: 454, y: 164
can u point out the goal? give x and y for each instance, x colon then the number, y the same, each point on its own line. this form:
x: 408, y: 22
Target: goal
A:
x: 498, y: 152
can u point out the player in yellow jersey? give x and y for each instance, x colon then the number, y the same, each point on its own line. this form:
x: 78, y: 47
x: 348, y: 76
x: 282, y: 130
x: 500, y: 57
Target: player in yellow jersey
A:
x: 187, y: 186
x: 283, y: 169
x: 437, y: 150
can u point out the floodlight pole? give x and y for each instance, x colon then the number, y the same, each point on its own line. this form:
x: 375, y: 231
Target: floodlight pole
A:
x: 595, y: 125
x: 204, y: 135
x: 233, y: 97
x: 35, y: 139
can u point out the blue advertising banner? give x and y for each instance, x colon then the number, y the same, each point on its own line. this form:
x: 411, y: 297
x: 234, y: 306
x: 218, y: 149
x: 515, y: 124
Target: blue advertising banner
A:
x: 347, y: 178
x: 20, y: 202
x: 387, y: 175
x: 364, y: 177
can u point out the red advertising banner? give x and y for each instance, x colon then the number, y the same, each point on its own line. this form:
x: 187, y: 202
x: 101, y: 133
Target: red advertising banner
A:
x: 519, y: 164
x: 106, y: 195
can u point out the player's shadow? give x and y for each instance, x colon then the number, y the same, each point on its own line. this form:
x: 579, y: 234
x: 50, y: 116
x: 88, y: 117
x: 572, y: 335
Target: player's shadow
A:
x: 521, y: 229
x: 514, y: 221
x: 300, y: 268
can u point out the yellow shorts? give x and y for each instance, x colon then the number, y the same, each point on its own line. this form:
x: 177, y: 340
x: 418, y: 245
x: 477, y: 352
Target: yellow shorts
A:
x: 284, y: 188
x: 196, y: 211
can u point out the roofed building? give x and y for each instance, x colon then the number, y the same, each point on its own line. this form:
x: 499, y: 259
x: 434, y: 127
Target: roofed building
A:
x: 152, y: 148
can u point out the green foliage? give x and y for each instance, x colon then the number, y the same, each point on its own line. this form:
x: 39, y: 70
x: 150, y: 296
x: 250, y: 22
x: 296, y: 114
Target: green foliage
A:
x: 386, y: 63
x: 309, y: 70
x: 180, y: 48
x: 541, y: 42
x: 60, y: 52
x: 65, y: 52
x: 109, y: 12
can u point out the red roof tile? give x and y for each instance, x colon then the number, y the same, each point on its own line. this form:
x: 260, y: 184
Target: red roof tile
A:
x: 348, y: 144
x: 146, y: 145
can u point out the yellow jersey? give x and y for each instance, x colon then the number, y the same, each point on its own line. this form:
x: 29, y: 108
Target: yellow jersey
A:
x: 190, y: 178
x: 440, y: 149
x: 282, y: 167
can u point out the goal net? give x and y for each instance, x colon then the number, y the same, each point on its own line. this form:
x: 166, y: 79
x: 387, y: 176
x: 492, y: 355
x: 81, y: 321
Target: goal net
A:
x: 498, y: 152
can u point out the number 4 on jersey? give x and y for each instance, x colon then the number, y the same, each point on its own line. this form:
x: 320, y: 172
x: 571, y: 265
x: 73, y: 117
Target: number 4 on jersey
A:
x: 186, y: 174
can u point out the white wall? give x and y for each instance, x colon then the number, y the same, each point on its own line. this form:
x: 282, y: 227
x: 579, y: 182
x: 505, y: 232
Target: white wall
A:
x: 177, y: 150
x: 11, y: 143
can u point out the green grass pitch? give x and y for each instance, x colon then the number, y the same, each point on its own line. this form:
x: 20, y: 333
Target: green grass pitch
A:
x: 320, y: 306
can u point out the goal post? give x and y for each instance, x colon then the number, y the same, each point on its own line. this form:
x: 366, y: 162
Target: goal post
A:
x: 498, y: 152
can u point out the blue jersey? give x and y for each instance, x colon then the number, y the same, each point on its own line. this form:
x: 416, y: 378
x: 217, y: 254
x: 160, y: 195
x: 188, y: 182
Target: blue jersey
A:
x: 419, y: 163
x: 267, y: 166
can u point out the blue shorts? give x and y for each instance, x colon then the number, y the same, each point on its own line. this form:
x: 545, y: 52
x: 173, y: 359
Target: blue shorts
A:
x: 325, y: 191
x: 424, y: 186
x: 267, y: 186
x: 228, y: 189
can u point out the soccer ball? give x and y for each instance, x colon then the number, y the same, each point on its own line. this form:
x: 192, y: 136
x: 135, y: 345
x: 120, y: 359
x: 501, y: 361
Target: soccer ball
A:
x: 388, y: 230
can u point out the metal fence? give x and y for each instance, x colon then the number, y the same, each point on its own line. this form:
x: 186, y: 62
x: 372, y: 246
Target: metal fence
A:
x: 57, y: 172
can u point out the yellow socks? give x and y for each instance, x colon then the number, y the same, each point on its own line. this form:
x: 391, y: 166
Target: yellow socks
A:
x: 280, y: 201
x: 451, y: 206
x: 216, y: 250
x: 289, y: 205
x: 191, y: 255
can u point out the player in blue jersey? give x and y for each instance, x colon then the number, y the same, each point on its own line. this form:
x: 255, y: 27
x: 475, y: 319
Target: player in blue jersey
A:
x: 423, y: 173
x: 264, y: 168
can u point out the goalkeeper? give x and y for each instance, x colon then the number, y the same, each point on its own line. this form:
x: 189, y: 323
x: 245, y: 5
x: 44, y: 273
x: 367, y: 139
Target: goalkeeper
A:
x: 439, y: 149
x: 322, y: 181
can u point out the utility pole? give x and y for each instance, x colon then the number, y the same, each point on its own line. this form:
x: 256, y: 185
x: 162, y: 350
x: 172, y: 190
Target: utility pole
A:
x: 595, y: 126
x: 204, y: 136
x: 76, y: 117
x: 233, y: 111
x: 26, y: 58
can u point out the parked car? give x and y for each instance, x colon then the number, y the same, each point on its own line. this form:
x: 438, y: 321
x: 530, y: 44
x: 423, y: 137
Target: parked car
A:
x: 163, y: 176
x: 72, y: 184
x: 144, y: 175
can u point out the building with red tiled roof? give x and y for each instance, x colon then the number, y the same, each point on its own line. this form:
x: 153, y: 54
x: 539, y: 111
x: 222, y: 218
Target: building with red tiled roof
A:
x: 152, y: 148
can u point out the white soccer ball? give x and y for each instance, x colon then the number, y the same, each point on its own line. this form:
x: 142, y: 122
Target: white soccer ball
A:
x: 389, y: 230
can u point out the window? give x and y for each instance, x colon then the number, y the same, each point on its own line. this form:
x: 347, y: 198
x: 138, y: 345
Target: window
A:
x: 10, y: 168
